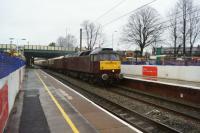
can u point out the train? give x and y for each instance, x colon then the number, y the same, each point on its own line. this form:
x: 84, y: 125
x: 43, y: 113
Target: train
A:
x: 102, y: 64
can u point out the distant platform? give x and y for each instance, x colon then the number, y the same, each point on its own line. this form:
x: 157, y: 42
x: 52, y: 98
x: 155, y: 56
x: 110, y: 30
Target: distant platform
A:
x: 173, y: 82
x: 47, y: 105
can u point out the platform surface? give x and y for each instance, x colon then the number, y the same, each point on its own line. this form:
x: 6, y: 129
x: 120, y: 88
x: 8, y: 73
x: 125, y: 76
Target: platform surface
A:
x: 174, y: 82
x: 50, y: 106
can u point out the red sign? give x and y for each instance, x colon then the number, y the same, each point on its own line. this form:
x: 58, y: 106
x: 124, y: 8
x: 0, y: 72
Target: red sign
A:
x: 3, y: 106
x: 151, y: 71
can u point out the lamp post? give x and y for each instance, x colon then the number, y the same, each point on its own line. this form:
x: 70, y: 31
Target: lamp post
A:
x: 17, y: 47
x: 113, y: 37
x: 21, y: 48
x: 11, y: 39
x: 23, y: 39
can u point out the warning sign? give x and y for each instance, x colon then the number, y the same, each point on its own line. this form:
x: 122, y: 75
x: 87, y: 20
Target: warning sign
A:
x: 150, y: 71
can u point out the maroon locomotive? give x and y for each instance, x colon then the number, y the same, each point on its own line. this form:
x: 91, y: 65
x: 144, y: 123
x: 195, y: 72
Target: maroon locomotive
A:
x: 99, y: 64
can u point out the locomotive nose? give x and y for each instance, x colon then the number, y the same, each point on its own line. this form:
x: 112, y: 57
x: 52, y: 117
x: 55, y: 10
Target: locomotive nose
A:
x: 104, y: 76
x: 110, y: 65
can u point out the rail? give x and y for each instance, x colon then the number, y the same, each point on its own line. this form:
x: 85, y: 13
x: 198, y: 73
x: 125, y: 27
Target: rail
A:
x: 182, y: 109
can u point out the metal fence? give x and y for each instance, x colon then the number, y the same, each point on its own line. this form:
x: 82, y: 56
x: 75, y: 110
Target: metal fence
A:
x: 7, y: 46
x: 35, y: 47
x: 9, y: 64
x: 165, y: 61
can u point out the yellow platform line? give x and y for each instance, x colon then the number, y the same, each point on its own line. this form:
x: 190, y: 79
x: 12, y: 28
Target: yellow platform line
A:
x: 64, y: 114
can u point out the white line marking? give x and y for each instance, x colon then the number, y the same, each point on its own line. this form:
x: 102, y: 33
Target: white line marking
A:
x: 120, y: 120
x: 61, y: 96
x: 65, y: 94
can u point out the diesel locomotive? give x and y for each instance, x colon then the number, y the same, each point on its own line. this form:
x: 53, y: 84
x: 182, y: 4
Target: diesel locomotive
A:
x: 100, y: 64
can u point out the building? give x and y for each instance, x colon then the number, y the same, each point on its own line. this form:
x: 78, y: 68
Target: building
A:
x: 170, y: 51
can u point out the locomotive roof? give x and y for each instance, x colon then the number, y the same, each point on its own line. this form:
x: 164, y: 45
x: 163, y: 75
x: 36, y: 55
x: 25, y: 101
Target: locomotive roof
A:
x: 84, y: 53
x: 96, y: 51
x: 102, y: 50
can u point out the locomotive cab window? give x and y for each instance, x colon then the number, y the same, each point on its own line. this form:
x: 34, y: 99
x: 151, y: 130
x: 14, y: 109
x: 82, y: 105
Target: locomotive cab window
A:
x: 91, y: 58
x: 96, y: 58
x: 105, y: 57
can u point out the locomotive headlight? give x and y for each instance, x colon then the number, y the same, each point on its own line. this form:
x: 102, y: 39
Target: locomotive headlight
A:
x: 113, y: 70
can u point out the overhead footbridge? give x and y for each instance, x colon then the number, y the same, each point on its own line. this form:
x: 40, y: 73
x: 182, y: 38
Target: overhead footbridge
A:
x: 32, y: 51
x: 40, y: 51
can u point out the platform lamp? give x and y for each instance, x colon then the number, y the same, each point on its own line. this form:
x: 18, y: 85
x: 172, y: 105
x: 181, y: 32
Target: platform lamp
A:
x: 23, y: 39
x: 11, y: 39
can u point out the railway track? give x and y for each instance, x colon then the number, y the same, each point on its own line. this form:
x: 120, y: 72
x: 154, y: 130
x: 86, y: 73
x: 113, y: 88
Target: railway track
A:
x: 139, y: 121
x: 181, y: 109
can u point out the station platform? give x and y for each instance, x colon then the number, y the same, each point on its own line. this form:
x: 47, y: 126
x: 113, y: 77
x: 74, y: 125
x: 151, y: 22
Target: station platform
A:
x: 173, y: 82
x: 46, y: 105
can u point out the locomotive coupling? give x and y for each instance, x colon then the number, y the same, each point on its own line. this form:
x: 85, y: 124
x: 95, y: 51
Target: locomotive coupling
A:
x: 105, y: 76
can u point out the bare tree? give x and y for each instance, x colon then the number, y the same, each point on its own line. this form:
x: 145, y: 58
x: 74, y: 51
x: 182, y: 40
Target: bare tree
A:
x: 187, y: 23
x: 157, y: 41
x: 143, y: 28
x: 52, y: 44
x: 93, y: 33
x: 61, y: 41
x: 173, y: 29
x: 184, y: 6
x: 68, y: 42
x: 194, y: 27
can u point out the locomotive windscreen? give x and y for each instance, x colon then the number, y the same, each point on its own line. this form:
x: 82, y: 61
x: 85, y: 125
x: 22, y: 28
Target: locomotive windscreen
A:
x: 106, y: 57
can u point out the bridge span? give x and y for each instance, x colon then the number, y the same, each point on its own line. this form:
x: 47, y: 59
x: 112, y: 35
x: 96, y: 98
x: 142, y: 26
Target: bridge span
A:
x: 40, y: 51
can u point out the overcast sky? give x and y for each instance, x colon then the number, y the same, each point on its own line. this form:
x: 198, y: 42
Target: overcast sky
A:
x: 43, y: 21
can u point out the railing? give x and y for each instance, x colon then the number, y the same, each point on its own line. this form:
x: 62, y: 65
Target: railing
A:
x: 166, y: 61
x: 35, y: 47
x: 48, y: 48
x: 8, y: 46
